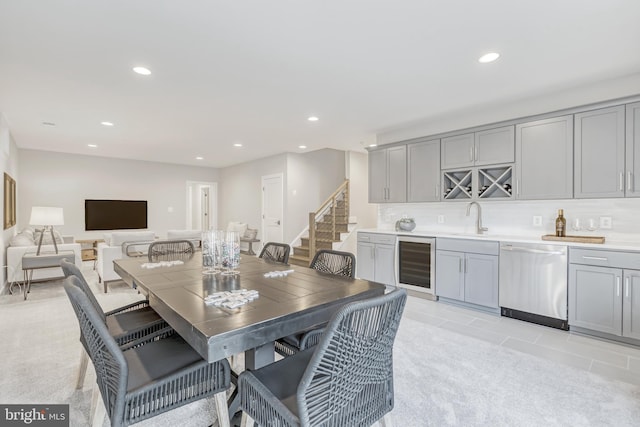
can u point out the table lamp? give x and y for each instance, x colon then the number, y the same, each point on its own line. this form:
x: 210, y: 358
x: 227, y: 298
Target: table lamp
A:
x: 46, y: 217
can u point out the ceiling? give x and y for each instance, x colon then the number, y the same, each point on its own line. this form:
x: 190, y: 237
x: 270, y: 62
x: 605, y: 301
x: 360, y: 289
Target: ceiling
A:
x: 251, y: 72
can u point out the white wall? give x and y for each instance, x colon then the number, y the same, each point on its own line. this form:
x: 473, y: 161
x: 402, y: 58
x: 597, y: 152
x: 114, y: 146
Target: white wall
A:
x: 516, y: 217
x: 9, y: 163
x: 308, y: 180
x: 311, y: 179
x: 365, y: 212
x: 240, y: 190
x: 65, y: 180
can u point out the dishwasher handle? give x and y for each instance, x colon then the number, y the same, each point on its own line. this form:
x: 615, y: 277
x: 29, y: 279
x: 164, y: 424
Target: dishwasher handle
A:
x: 529, y: 250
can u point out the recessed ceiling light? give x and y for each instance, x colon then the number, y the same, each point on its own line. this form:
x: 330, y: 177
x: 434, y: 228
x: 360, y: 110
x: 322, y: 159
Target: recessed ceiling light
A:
x: 302, y: 146
x: 92, y: 145
x: 373, y: 145
x: 199, y: 158
x: 489, y: 57
x: 237, y: 144
x: 313, y: 119
x: 48, y: 123
x: 142, y: 70
x: 106, y: 123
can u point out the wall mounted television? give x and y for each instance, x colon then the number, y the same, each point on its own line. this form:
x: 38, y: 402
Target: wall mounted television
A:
x: 115, y: 214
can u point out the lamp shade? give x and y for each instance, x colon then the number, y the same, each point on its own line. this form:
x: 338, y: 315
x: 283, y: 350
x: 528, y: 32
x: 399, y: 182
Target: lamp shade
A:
x: 46, y: 216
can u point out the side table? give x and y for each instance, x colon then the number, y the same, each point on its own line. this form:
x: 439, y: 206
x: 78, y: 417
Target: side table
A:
x: 250, y: 242
x: 31, y: 261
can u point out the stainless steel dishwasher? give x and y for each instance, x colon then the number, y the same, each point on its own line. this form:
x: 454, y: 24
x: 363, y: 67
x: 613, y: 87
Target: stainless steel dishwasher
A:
x: 533, y: 283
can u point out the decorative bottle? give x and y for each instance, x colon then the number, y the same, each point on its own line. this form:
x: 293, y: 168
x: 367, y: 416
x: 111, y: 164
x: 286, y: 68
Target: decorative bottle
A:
x: 561, y: 224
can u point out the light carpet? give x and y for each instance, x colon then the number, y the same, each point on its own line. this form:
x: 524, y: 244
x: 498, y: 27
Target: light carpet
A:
x: 441, y: 378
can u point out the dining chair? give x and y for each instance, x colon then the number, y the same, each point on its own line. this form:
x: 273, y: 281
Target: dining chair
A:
x: 327, y: 261
x: 277, y: 252
x: 141, y: 381
x: 171, y: 250
x: 346, y: 380
x: 125, y: 324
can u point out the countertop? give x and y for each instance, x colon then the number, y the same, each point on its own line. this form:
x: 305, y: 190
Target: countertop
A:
x: 607, y: 245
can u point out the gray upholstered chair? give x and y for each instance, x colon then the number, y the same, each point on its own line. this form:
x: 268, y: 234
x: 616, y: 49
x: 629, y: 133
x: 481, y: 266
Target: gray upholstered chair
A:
x: 277, y: 252
x: 125, y: 324
x: 327, y: 261
x: 346, y: 380
x: 146, y: 380
x: 170, y: 250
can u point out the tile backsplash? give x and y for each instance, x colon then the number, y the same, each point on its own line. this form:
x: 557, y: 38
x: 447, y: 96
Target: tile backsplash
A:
x: 516, y: 217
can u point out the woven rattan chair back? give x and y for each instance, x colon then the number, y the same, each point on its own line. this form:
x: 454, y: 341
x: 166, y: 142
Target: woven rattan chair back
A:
x: 107, y: 358
x: 70, y: 269
x: 171, y: 250
x: 277, y: 252
x: 349, y: 379
x: 334, y: 262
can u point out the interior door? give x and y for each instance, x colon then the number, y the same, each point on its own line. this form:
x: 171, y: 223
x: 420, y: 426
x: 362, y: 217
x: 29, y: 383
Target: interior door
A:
x: 272, y: 208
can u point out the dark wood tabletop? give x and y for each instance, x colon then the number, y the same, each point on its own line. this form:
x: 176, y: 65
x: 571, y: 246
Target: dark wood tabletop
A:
x: 302, y: 299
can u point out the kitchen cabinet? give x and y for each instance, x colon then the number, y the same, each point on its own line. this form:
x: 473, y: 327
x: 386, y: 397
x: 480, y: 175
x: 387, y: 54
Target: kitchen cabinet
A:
x: 423, y: 172
x: 599, y: 149
x: 375, y: 259
x: 480, y: 148
x: 388, y: 175
x: 467, y: 271
x: 604, y: 292
x: 544, y: 159
x: 632, y: 167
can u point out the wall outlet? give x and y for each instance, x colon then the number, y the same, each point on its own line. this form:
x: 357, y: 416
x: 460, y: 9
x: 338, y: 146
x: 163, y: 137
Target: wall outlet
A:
x: 537, y: 221
x: 440, y: 219
x: 605, y: 222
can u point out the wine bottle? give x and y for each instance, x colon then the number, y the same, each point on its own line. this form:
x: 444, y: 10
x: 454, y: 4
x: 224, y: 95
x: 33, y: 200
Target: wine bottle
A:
x: 561, y: 224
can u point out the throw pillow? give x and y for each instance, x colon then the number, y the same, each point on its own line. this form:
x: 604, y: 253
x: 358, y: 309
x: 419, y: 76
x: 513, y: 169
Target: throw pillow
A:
x: 21, y: 239
x: 250, y: 234
x: 46, y: 238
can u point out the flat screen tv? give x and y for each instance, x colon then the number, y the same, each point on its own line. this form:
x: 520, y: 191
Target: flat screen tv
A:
x: 115, y: 214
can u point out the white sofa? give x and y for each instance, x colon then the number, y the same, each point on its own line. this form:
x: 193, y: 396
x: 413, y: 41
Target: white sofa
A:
x: 112, y: 249
x: 24, y: 242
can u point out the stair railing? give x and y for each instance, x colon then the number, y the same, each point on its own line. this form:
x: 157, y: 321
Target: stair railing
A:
x: 329, y: 205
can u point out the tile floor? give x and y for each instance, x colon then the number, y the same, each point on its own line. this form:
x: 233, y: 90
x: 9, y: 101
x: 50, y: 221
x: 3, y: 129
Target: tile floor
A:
x: 606, y: 358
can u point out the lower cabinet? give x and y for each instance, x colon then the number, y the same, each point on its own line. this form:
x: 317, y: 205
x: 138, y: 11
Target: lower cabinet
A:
x: 604, y: 292
x: 467, y: 271
x: 605, y: 299
x: 376, y: 258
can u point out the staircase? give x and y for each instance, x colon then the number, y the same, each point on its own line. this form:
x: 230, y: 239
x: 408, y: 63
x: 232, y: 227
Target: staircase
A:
x: 325, y: 226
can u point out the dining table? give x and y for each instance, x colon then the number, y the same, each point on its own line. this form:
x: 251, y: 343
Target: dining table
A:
x: 289, y: 299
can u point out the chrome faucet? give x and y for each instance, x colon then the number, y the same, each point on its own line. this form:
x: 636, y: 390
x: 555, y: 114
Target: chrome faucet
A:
x: 479, y: 228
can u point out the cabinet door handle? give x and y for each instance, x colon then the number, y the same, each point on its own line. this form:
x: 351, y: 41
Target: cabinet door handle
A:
x: 471, y: 153
x: 626, y: 287
x: 465, y: 266
x: 460, y: 265
x: 517, y: 187
x: 621, y: 181
x: 596, y: 258
x: 618, y: 286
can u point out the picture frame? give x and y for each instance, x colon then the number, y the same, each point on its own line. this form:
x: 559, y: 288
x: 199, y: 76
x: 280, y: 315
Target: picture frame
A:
x: 9, y: 201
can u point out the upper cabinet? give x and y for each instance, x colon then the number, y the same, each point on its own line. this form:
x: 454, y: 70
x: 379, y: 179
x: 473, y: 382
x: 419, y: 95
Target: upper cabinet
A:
x: 544, y: 159
x: 599, y: 153
x: 485, y: 147
x: 632, y: 184
x: 388, y: 175
x: 423, y: 173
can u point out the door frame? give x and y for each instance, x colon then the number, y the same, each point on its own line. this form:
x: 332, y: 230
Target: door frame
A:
x: 213, y: 202
x: 262, y: 182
